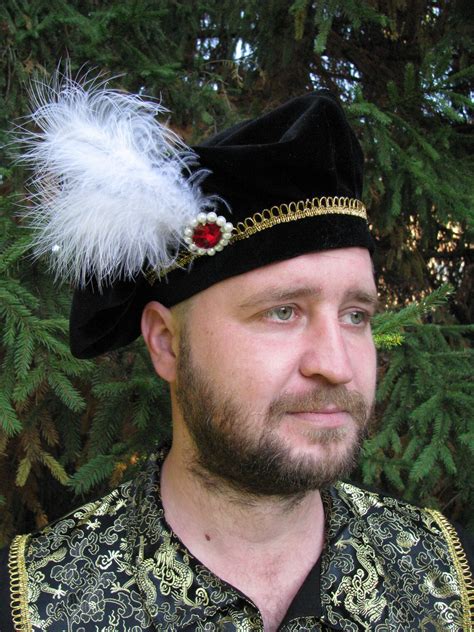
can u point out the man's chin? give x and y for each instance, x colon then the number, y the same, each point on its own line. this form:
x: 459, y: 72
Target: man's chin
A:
x: 279, y: 468
x: 315, y: 458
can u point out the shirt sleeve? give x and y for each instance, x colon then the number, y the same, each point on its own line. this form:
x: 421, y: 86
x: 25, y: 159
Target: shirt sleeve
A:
x: 6, y: 622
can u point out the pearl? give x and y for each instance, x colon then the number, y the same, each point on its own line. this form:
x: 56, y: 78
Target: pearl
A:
x: 221, y: 221
x: 211, y: 217
x: 202, y: 218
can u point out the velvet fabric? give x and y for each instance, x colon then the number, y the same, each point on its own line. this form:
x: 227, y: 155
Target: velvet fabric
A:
x: 301, y: 150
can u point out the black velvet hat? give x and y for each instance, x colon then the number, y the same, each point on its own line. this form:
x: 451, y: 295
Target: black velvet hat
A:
x: 282, y: 185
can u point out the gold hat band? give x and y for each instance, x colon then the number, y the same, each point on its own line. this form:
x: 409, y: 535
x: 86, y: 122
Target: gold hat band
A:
x: 277, y: 215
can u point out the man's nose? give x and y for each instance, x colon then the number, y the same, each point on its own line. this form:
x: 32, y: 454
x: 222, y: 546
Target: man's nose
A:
x: 325, y: 353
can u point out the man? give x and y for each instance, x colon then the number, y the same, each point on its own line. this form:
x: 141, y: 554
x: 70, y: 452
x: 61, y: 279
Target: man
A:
x: 262, y: 330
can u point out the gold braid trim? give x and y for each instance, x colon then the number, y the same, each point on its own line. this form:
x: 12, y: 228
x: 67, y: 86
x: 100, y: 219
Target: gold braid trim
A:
x: 18, y: 584
x: 298, y: 210
x: 282, y: 214
x: 461, y: 564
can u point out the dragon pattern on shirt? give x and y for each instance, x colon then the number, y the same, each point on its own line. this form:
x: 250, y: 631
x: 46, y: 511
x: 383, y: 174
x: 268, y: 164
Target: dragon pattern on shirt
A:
x: 115, y: 566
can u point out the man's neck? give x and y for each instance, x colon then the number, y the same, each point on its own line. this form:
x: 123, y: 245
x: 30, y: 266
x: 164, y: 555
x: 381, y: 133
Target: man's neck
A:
x: 260, y: 546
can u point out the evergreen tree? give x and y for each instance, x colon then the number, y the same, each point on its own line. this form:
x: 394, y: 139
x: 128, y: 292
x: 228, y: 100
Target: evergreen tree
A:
x: 404, y: 72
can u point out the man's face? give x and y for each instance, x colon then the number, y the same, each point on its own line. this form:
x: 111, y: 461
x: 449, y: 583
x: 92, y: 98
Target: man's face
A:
x: 276, y: 373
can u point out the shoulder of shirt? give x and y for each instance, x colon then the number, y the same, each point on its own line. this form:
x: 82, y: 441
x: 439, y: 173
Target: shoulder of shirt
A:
x: 50, y: 542
x: 365, y: 504
x: 99, y: 510
x: 96, y: 516
x: 108, y: 522
x: 363, y: 501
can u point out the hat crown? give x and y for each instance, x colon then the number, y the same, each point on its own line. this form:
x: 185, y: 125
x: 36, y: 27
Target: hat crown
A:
x: 302, y: 149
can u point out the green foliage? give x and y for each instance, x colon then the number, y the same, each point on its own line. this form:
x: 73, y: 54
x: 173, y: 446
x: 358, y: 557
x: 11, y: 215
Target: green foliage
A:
x: 404, y: 72
x: 95, y: 471
x: 393, y: 323
x: 356, y: 13
x: 422, y: 443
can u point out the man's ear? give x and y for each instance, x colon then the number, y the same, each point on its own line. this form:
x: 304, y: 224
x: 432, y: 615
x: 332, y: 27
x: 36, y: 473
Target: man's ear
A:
x: 160, y: 332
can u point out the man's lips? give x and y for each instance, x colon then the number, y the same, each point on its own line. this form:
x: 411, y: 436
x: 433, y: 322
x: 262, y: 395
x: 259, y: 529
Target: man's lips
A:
x: 319, y: 410
x: 328, y: 417
x: 321, y: 407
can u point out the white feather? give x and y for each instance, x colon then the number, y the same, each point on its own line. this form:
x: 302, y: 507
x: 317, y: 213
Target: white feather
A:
x: 109, y: 191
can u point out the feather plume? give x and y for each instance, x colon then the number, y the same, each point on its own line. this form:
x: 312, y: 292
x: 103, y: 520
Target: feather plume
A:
x: 112, y: 187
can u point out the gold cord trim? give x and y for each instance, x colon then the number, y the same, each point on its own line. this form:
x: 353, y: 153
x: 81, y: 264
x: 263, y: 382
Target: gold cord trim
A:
x: 281, y: 214
x: 461, y: 564
x: 18, y: 584
x: 298, y: 210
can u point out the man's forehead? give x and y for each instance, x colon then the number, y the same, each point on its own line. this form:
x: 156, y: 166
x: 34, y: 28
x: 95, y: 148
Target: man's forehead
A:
x: 347, y: 270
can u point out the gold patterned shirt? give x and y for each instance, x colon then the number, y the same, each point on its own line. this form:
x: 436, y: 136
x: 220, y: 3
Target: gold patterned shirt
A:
x: 114, y: 565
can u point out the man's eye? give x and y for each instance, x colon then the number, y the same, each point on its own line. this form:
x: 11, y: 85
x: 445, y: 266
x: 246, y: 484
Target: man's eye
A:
x: 285, y: 312
x: 357, y: 317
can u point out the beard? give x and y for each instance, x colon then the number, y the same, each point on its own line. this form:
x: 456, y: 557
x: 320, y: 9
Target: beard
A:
x: 233, y: 453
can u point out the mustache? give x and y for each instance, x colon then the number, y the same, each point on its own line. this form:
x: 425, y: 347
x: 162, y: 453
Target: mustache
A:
x: 321, y: 397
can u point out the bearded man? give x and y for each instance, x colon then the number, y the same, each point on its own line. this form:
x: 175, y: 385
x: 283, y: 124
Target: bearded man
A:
x: 262, y: 329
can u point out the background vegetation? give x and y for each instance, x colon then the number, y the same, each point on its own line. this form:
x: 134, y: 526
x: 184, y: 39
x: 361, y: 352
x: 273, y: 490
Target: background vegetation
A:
x: 404, y: 72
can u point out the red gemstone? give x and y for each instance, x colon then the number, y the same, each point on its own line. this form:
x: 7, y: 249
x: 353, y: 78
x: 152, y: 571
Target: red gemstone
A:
x: 207, y: 235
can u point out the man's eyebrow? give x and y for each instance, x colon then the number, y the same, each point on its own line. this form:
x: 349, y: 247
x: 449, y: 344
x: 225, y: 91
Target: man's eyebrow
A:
x: 362, y: 296
x: 278, y: 294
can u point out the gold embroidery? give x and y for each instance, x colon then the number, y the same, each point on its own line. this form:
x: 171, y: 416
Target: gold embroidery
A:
x: 277, y: 215
x: 303, y: 624
x: 175, y: 577
x: 18, y: 584
x: 398, y: 536
x: 298, y: 210
x: 240, y: 624
x: 362, y: 598
x: 461, y: 564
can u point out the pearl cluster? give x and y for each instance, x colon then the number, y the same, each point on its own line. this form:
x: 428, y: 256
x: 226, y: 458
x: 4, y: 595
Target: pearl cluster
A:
x: 218, y: 240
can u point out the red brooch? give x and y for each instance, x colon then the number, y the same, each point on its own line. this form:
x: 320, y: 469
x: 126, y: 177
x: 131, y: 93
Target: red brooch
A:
x: 208, y: 233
